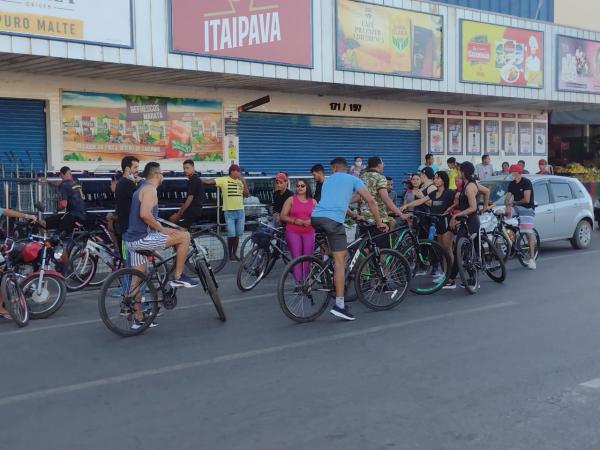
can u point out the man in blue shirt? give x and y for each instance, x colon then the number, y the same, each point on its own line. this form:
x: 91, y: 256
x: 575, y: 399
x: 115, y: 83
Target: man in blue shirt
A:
x: 429, y: 163
x: 329, y: 215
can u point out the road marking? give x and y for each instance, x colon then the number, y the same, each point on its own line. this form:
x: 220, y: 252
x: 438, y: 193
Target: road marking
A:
x: 44, y: 393
x: 30, y: 329
x: 566, y: 255
x: 594, y: 384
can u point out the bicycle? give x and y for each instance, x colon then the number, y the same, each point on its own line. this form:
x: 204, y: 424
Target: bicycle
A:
x: 12, y: 293
x: 128, y: 287
x: 475, y: 253
x: 381, y: 279
x: 215, y: 244
x: 510, y: 242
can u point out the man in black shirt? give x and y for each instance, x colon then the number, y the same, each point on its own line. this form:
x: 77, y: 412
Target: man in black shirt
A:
x: 126, y: 186
x: 71, y: 199
x: 280, y: 195
x: 519, y: 201
x: 318, y: 173
x: 191, y: 210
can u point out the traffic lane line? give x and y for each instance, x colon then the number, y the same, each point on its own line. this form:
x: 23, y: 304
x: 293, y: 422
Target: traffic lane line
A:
x: 45, y: 393
x: 29, y: 329
x: 593, y: 384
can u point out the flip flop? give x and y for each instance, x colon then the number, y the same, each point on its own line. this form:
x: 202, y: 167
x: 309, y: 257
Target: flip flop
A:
x: 5, y: 317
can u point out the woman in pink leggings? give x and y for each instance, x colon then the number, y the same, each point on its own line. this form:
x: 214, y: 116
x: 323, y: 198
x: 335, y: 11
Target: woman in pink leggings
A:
x: 299, y: 233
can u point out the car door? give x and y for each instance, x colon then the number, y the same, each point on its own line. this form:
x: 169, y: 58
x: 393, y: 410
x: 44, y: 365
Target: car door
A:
x: 544, y: 211
x: 564, y: 208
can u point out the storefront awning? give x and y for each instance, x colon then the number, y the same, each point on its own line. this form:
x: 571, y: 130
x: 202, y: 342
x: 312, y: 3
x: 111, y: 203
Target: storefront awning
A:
x: 581, y: 117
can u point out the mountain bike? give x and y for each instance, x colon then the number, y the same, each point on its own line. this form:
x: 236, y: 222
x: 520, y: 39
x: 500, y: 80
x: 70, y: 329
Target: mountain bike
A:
x: 509, y: 240
x: 128, y: 290
x: 476, y: 253
x: 381, y: 278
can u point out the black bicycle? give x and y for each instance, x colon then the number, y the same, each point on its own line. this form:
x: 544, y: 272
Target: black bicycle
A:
x: 129, y: 292
x: 381, y: 278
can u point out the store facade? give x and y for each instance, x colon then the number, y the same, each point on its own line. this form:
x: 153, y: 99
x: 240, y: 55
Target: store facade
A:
x: 343, y: 77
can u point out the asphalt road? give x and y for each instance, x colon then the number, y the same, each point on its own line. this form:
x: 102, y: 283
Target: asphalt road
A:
x: 516, y: 366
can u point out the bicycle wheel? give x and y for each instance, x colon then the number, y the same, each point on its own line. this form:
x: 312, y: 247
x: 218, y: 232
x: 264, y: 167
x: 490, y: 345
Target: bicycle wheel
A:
x: 253, y: 269
x: 14, y: 300
x: 465, y: 260
x: 383, y: 282
x: 216, y: 248
x: 493, y: 265
x: 304, y: 289
x: 247, y: 244
x: 502, y: 244
x: 211, y: 288
x: 522, y: 247
x: 430, y: 266
x: 46, y: 297
x: 80, y: 270
x: 120, y: 293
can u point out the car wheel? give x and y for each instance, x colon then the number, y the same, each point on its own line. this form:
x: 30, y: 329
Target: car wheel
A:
x: 582, y: 238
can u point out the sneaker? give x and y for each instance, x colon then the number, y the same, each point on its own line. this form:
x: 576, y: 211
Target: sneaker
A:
x: 438, y: 276
x: 532, y: 264
x: 449, y: 285
x: 344, y: 313
x: 183, y: 281
x: 137, y: 324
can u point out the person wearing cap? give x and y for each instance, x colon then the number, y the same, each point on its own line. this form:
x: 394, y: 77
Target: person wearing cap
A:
x: 519, y: 201
x: 544, y: 168
x: 233, y: 190
x: 280, y: 195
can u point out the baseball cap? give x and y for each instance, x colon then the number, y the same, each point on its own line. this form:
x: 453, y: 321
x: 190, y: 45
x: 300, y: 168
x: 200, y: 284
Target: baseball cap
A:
x: 281, y: 177
x: 515, y: 168
x: 542, y: 161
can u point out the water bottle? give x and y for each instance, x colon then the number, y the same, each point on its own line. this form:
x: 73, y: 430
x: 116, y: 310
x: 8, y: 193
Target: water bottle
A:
x: 431, y: 234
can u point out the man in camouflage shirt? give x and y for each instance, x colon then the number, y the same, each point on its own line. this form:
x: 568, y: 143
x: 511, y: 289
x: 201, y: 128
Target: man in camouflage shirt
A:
x: 376, y: 184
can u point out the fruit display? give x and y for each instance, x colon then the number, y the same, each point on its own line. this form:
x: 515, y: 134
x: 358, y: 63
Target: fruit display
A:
x: 582, y: 173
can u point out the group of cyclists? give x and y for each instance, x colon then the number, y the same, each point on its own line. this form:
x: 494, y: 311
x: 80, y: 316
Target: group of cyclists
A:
x: 137, y: 228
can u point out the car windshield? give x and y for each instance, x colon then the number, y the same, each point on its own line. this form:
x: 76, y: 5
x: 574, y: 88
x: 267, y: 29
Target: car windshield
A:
x: 497, y: 190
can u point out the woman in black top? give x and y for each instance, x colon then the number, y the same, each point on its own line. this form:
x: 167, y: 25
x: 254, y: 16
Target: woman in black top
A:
x: 440, y: 201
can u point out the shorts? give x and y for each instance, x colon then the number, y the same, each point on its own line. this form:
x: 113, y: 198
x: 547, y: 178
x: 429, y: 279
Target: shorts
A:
x: 334, y: 231
x: 526, y: 218
x: 441, y: 225
x: 152, y: 242
x: 235, y: 221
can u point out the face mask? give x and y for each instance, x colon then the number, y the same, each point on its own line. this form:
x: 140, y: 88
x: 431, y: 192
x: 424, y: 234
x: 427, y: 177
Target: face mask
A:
x: 131, y: 177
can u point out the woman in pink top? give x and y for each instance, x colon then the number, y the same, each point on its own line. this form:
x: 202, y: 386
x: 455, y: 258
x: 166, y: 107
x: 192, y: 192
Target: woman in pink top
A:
x: 299, y: 233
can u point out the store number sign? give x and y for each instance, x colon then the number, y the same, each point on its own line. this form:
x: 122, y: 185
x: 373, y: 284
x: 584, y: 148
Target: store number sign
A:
x: 352, y: 107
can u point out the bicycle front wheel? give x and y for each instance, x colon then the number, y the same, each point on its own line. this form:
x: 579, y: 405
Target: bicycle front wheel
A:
x: 383, y: 282
x: 125, y: 294
x: 493, y: 265
x: 523, y: 248
x: 465, y: 260
x: 14, y: 300
x: 252, y: 269
x: 216, y: 248
x: 304, y: 289
x: 211, y: 288
x: 430, y: 264
x: 502, y: 244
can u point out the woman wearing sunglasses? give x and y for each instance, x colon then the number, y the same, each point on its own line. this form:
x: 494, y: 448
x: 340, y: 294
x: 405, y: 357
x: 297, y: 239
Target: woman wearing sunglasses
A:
x: 299, y: 233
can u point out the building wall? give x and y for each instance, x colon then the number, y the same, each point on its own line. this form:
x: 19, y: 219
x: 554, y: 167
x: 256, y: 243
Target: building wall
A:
x: 527, y: 9
x: 578, y: 13
x: 50, y: 88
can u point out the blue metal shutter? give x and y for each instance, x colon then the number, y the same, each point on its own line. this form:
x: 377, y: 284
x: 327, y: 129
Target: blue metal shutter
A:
x: 292, y: 143
x: 22, y: 130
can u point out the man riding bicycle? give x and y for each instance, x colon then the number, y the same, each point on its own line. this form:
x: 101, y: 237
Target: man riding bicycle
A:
x: 72, y: 200
x: 520, y: 202
x: 328, y: 216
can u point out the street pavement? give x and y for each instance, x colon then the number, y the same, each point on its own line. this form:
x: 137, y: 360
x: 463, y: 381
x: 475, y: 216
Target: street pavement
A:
x: 516, y: 366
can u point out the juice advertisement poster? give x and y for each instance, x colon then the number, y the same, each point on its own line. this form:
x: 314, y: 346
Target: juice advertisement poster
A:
x: 509, y: 132
x: 496, y: 54
x: 150, y: 128
x: 436, y: 135
x: 381, y: 39
x: 455, y: 136
x: 492, y: 146
x: 473, y: 137
x: 525, y: 139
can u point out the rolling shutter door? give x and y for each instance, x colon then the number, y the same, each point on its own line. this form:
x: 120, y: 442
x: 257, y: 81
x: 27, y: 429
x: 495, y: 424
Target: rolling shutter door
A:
x: 22, y: 130
x: 293, y: 143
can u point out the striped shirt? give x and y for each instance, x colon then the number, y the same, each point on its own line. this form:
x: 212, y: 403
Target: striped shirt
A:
x: 232, y: 192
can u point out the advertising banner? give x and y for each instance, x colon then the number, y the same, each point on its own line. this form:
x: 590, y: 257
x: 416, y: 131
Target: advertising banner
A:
x: 473, y: 137
x: 578, y: 65
x: 455, y: 136
x: 277, y: 31
x: 502, y: 55
x: 492, y: 137
x: 525, y: 140
x: 106, y: 22
x: 540, y: 131
x: 380, y: 39
x: 436, y: 135
x: 107, y: 127
x: 510, y: 143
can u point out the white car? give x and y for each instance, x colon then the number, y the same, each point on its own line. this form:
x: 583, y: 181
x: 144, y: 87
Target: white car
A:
x: 564, y: 208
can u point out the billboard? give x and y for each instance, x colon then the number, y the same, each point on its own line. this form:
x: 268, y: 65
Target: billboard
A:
x: 578, y: 65
x: 275, y: 31
x: 496, y: 54
x: 107, y: 127
x: 380, y: 39
x: 108, y: 22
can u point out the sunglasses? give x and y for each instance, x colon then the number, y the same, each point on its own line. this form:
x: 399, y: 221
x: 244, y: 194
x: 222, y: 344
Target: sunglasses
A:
x: 300, y: 186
